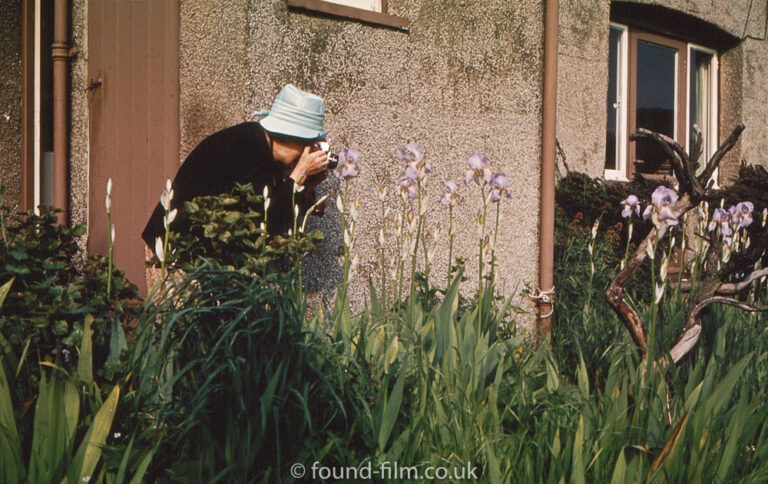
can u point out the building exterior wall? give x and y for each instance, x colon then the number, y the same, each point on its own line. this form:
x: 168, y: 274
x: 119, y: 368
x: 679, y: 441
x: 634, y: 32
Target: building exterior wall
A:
x: 78, y: 115
x: 463, y: 79
x: 10, y: 101
x: 582, y: 80
x: 755, y: 105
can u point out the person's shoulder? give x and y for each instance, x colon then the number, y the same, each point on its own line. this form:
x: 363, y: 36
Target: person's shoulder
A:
x: 248, y: 135
x: 247, y: 127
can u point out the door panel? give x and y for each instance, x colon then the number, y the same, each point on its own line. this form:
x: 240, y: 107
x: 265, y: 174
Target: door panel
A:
x: 133, y: 71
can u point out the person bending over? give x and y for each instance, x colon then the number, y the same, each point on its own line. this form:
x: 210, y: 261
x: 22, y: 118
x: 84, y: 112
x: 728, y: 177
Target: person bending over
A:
x: 275, y: 152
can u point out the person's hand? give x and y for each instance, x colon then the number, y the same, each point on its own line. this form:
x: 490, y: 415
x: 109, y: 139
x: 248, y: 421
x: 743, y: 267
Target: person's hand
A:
x: 310, y: 163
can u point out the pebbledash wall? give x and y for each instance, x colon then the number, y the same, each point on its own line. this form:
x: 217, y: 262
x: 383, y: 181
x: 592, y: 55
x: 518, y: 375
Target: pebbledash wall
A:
x: 10, y: 100
x: 466, y: 77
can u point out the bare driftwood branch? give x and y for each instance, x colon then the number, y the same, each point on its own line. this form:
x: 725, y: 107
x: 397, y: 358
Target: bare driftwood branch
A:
x: 615, y: 292
x: 692, y: 332
x: 731, y: 288
x: 681, y: 163
x: 713, y: 285
x: 696, y: 151
x: 724, y: 148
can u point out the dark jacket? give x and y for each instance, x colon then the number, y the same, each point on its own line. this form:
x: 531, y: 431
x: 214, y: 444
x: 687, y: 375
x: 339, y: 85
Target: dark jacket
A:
x: 239, y: 154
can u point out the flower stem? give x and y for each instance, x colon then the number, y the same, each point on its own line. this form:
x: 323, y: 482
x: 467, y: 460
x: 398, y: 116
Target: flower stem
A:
x: 493, y: 248
x: 346, y: 247
x: 109, y: 255
x: 629, y: 238
x: 400, y: 262
x: 450, y: 243
x: 482, y: 238
x: 418, y: 236
x: 383, y: 258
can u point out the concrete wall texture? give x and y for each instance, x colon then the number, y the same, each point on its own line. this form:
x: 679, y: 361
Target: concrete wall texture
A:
x: 10, y: 100
x: 78, y: 115
x: 582, y: 80
x: 466, y: 77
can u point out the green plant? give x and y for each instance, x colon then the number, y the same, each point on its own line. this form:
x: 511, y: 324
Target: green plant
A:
x: 69, y: 408
x: 232, y: 385
x: 50, y: 294
x: 228, y: 229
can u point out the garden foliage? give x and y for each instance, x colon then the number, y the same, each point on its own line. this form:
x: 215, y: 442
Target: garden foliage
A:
x: 230, y: 377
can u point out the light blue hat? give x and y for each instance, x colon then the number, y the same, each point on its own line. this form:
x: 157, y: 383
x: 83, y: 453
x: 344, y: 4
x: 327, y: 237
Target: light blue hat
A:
x: 295, y: 113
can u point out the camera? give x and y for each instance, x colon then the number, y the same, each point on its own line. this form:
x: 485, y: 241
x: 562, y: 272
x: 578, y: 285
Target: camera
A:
x: 333, y: 158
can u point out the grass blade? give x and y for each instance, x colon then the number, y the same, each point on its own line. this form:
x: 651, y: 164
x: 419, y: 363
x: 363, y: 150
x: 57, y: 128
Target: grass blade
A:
x: 391, y: 410
x: 89, y: 453
x: 620, y: 470
x: 5, y: 289
x: 12, y: 469
x: 671, y: 444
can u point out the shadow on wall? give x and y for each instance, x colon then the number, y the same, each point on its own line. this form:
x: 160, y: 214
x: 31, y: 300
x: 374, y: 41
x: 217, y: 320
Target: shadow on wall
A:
x: 322, y: 269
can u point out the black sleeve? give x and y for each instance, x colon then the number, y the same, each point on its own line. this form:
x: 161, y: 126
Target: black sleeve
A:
x: 239, y: 154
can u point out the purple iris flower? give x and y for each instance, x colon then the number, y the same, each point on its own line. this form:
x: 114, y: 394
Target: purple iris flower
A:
x: 450, y: 197
x: 347, y: 167
x: 631, y: 204
x: 413, y: 154
x: 662, y: 199
x: 720, y: 217
x: 741, y: 214
x: 407, y: 178
x: 498, y: 184
x: 478, y: 165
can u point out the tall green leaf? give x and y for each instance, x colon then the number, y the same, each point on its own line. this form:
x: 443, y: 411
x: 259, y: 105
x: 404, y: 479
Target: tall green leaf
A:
x: 5, y: 289
x: 11, y: 464
x: 391, y: 411
x: 577, y: 467
x: 90, y: 450
x: 85, y: 361
x: 620, y: 470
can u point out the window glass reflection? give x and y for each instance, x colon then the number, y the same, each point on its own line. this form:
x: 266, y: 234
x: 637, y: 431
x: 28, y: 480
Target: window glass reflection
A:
x: 655, y: 108
x: 700, y: 94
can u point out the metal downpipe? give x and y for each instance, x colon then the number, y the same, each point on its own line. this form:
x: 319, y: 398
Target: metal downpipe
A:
x: 60, y: 54
x: 545, y: 298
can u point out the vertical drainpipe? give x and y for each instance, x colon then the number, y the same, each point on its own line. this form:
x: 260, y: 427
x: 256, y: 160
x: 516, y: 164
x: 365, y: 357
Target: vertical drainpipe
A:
x: 547, y: 208
x: 60, y: 54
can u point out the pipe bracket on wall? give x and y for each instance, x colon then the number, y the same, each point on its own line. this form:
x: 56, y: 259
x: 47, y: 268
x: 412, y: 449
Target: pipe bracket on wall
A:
x: 93, y: 84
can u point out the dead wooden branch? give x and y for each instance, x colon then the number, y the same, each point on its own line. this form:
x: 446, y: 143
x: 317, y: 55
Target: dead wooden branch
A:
x: 724, y: 148
x: 713, y: 284
x: 731, y: 288
x: 692, y: 332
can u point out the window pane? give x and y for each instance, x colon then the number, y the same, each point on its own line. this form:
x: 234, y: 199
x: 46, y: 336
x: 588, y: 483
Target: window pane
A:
x: 655, y: 103
x: 699, y: 86
x: 612, y: 108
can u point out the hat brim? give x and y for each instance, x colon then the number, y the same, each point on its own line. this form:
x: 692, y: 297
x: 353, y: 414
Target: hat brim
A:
x: 279, y: 126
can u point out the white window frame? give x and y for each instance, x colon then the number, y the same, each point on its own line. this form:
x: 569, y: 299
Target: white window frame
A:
x: 714, y: 142
x: 622, y: 95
